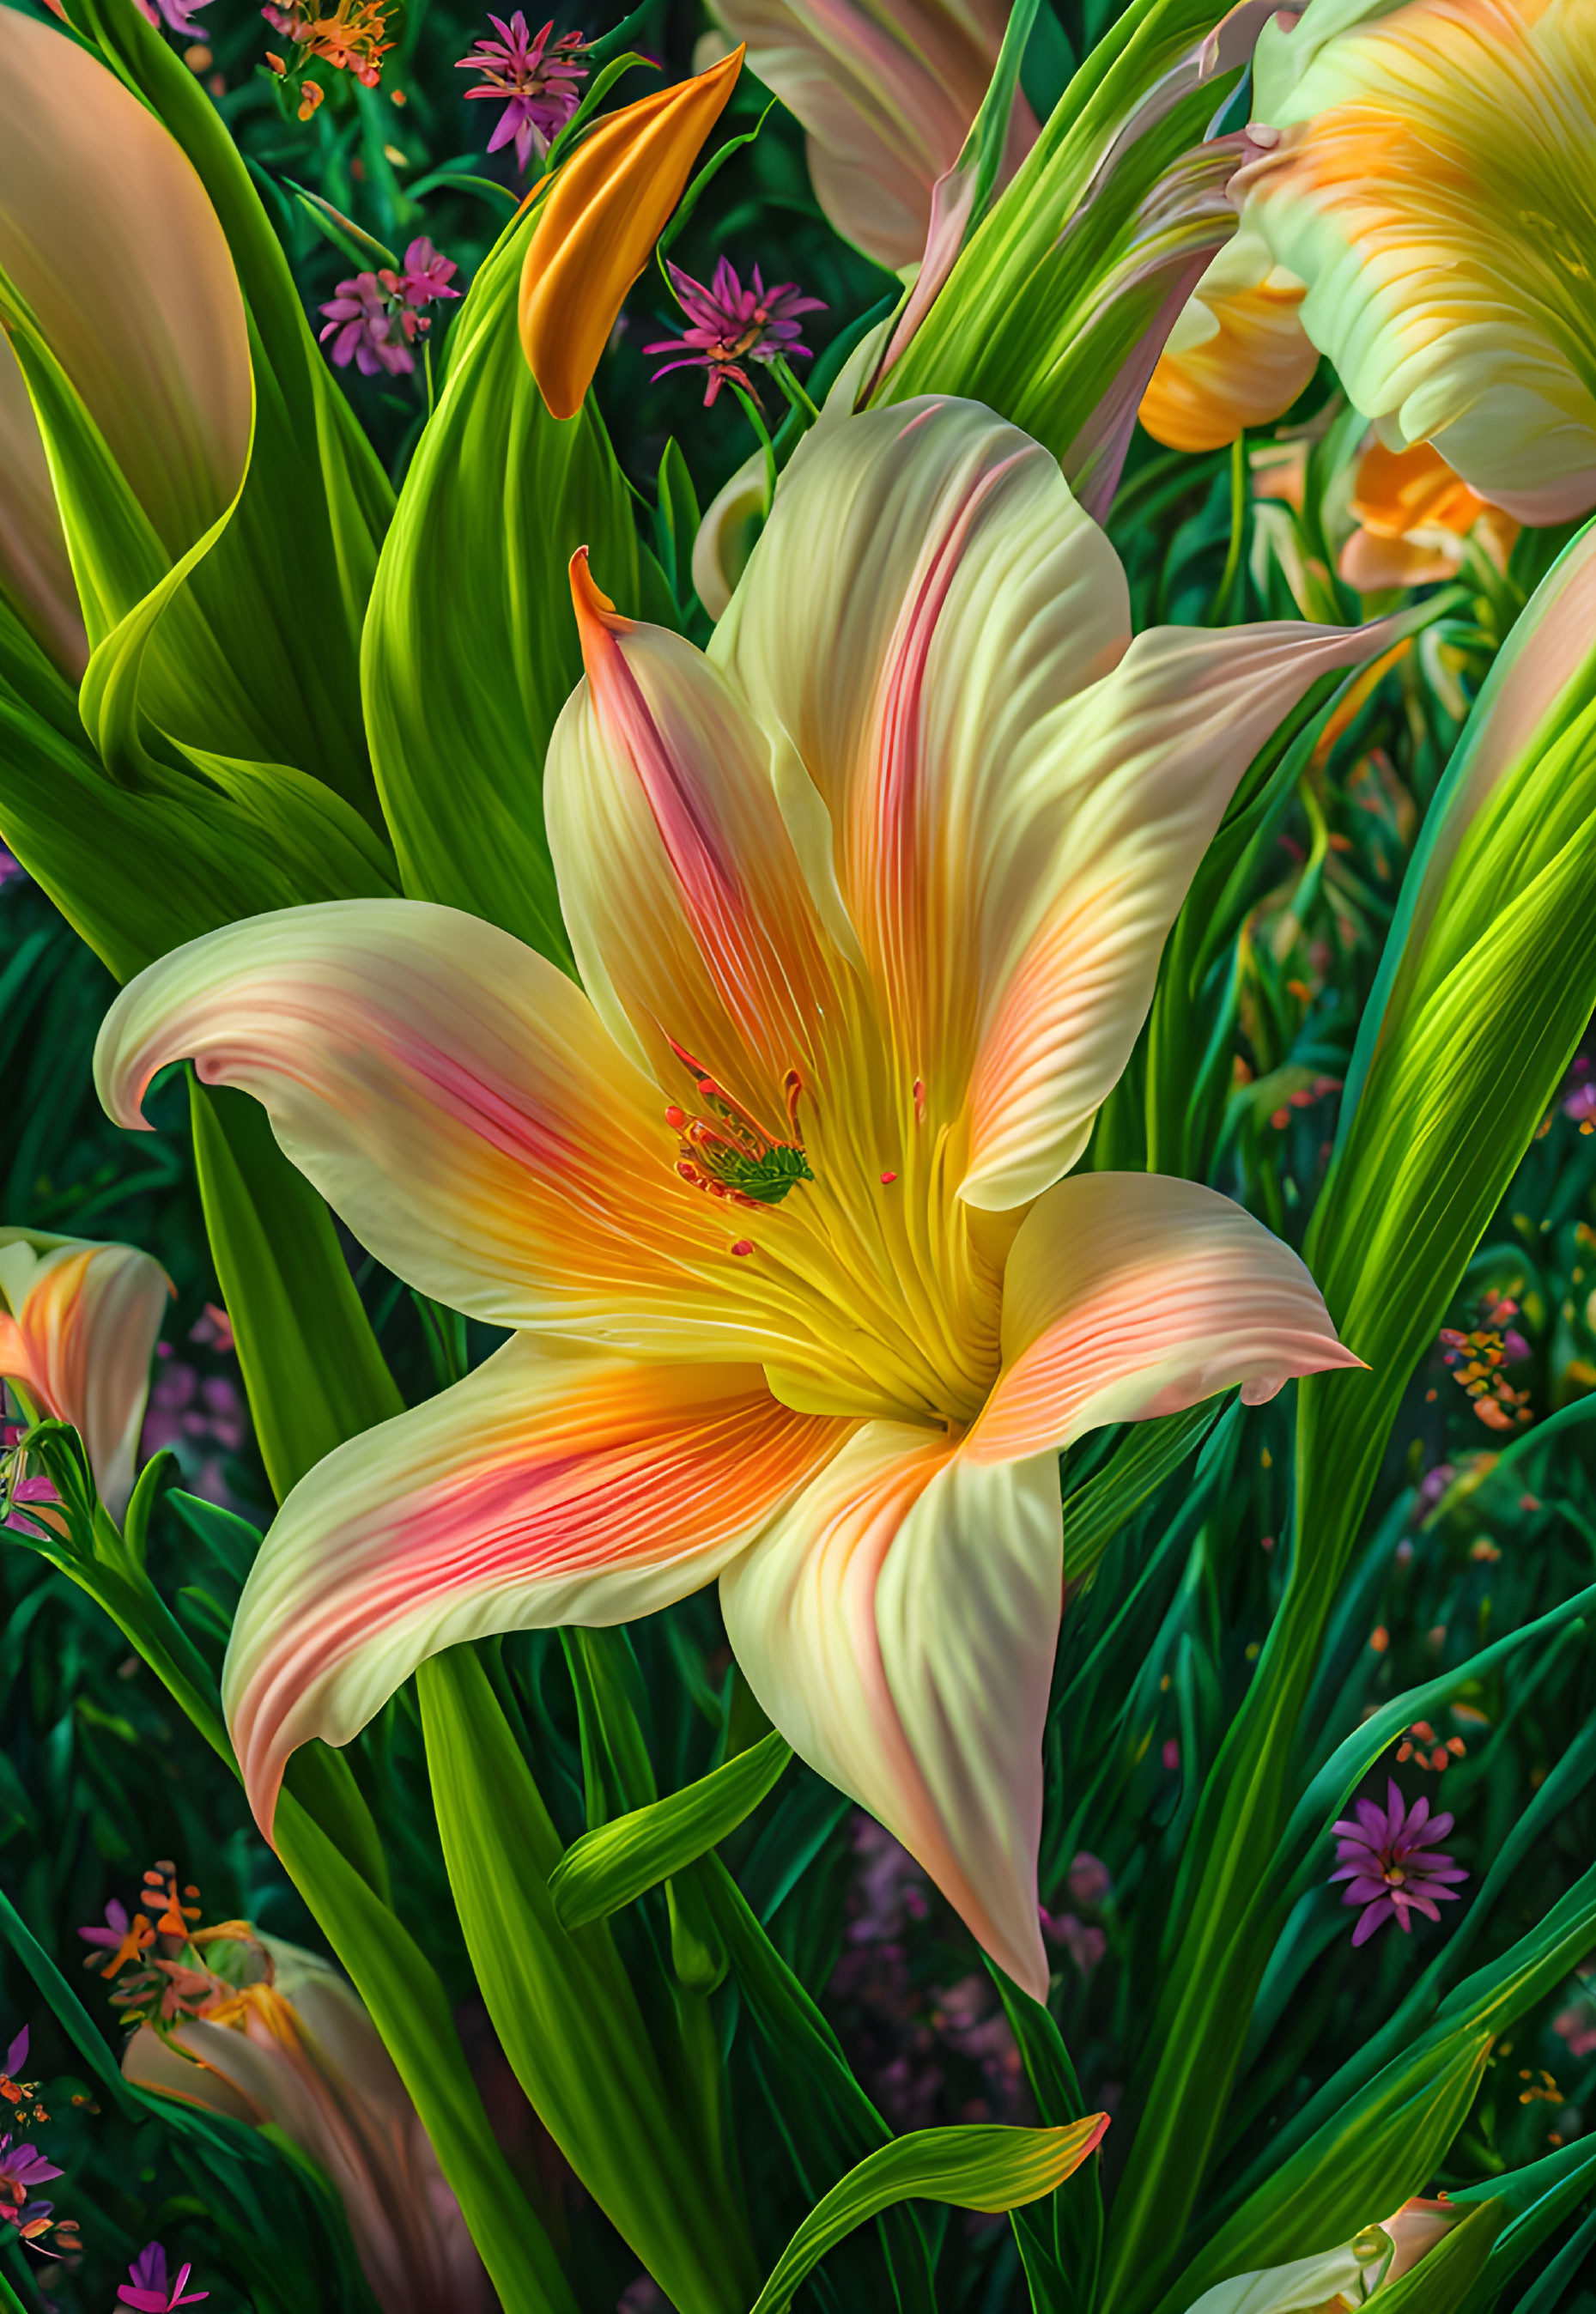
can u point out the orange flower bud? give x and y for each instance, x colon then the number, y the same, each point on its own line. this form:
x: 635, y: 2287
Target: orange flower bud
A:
x: 600, y: 219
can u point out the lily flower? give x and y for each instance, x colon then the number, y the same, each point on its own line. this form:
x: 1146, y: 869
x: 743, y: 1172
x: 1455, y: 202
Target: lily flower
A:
x: 1374, y: 2259
x: 887, y: 96
x: 600, y: 219
x: 1415, y: 171
x: 868, y: 905
x: 1415, y: 519
x: 1238, y: 354
x: 78, y: 1322
x: 280, y: 2038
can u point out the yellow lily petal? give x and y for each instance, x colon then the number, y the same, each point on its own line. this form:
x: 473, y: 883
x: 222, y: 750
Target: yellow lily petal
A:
x: 106, y: 232
x: 1429, y: 175
x: 1413, y: 515
x: 1238, y: 355
x: 599, y: 222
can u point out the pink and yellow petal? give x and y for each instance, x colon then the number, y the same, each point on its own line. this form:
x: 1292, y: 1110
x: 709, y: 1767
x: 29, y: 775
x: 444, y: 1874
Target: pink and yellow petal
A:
x: 687, y: 913
x: 1129, y: 1295
x: 543, y: 1490
x: 1122, y: 795
x: 460, y: 1104
x: 78, y: 1326
x: 107, y: 233
x: 926, y: 596
x: 898, y: 1625
x: 1419, y: 169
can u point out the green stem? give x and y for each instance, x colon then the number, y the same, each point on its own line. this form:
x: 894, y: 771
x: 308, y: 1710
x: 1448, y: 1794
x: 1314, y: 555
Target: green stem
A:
x: 756, y: 420
x: 1219, y: 613
x: 792, y: 387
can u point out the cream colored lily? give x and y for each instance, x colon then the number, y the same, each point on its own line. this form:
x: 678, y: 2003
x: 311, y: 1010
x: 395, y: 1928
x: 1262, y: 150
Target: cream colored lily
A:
x: 1238, y: 354
x: 887, y: 94
x: 287, y: 2042
x: 78, y: 1323
x: 1432, y: 177
x: 1339, y: 2280
x: 867, y: 906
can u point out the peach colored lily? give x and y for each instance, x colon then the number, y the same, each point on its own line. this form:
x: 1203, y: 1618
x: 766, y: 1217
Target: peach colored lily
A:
x: 1238, y: 355
x: 887, y: 96
x: 1414, y: 520
x: 112, y: 257
x: 292, y: 2045
x: 868, y: 905
x: 599, y: 222
x: 1427, y: 171
x: 78, y: 1322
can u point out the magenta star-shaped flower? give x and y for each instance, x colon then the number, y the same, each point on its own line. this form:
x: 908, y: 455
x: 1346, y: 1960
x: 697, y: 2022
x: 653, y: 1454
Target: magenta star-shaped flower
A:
x: 730, y: 326
x: 535, y: 84
x: 1385, y: 1856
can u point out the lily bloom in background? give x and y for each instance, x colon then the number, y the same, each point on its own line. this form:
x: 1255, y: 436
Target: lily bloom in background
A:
x: 1429, y: 176
x: 78, y: 1322
x: 867, y: 906
x: 257, y: 2029
x: 887, y: 96
x: 605, y: 209
x: 1375, y: 2258
x: 1385, y: 1856
x: 149, y: 2291
x: 1415, y: 519
x: 538, y: 85
x: 730, y: 326
x: 1236, y: 357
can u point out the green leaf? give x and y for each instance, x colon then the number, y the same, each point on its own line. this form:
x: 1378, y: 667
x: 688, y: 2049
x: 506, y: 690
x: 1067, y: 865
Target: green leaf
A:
x: 1061, y: 2238
x: 311, y: 1365
x: 470, y: 647
x: 614, y: 1865
x: 989, y: 2166
x: 564, y: 2009
x: 1103, y: 1504
x: 1443, y: 2278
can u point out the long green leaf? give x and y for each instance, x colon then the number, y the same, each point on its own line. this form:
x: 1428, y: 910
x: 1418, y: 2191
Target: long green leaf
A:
x: 614, y: 1866
x: 989, y: 2166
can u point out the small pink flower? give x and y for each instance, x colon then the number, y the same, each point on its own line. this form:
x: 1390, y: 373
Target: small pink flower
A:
x: 536, y: 83
x: 1085, y: 1946
x: 9, y: 867
x: 730, y: 326
x: 146, y: 2288
x: 373, y: 320
x: 1383, y: 1855
x: 1090, y: 1883
x: 178, y: 14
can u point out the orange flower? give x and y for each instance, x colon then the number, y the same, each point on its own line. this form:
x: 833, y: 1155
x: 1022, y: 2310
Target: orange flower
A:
x: 600, y: 219
x: 1415, y: 515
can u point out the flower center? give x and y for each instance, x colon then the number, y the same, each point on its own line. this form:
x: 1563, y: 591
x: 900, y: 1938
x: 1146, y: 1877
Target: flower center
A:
x: 727, y: 1153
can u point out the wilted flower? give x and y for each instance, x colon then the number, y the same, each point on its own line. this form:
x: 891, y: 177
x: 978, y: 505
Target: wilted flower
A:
x: 731, y: 325
x: 375, y: 320
x: 1384, y: 1857
x: 147, y: 2288
x: 536, y: 83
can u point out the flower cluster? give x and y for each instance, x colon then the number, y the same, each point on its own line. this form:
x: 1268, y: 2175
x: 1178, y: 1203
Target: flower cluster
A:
x: 201, y: 1418
x: 1476, y: 1359
x: 22, y: 2167
x: 1385, y: 1856
x: 729, y: 326
x: 377, y: 318
x: 537, y: 84
x: 351, y: 37
x: 159, y: 1946
x: 1421, y: 1744
x: 1091, y: 1884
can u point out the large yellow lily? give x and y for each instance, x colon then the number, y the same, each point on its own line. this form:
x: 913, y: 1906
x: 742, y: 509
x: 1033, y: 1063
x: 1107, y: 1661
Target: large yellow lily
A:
x: 1432, y: 176
x: 868, y: 905
x: 1238, y: 354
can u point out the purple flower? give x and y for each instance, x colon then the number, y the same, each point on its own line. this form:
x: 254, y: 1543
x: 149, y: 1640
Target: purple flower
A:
x: 366, y: 330
x: 730, y: 326
x: 1085, y: 1946
x: 536, y: 83
x: 373, y: 321
x: 178, y: 16
x: 1384, y: 1857
x: 426, y: 275
x: 20, y: 2170
x: 1091, y: 1883
x: 146, y: 2289
x: 9, y: 867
